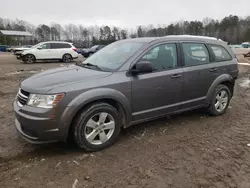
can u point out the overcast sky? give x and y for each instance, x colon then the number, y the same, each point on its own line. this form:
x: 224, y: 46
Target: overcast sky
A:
x: 124, y: 13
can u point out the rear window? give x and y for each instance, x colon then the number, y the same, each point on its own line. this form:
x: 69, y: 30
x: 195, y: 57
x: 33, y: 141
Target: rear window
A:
x: 220, y: 53
x: 60, y: 45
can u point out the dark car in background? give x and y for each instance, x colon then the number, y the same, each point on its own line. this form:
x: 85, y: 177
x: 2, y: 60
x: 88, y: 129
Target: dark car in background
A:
x: 89, y: 51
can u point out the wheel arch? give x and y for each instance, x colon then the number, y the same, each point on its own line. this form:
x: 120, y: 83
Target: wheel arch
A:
x: 110, y: 96
x: 224, y: 79
x: 66, y: 54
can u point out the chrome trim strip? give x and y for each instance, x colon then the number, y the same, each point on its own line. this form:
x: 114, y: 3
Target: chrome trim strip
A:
x: 22, y: 95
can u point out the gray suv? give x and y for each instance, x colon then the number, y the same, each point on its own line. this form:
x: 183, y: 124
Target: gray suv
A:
x: 126, y: 83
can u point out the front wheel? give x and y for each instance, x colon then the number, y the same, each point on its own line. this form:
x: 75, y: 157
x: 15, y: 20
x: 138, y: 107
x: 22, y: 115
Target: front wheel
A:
x: 97, y: 127
x: 220, y: 101
x: 29, y: 58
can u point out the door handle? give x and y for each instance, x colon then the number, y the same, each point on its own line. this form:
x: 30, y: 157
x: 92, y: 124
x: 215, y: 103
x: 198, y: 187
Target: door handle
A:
x: 176, y: 76
x: 213, y: 69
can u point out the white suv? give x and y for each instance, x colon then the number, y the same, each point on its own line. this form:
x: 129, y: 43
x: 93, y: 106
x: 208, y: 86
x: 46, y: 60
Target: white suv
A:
x: 52, y: 50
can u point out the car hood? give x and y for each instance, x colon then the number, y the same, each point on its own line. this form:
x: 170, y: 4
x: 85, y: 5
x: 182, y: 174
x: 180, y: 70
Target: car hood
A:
x: 22, y: 48
x: 28, y: 50
x: 43, y: 82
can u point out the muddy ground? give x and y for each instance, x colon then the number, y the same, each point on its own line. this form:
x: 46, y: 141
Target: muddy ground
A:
x: 191, y: 150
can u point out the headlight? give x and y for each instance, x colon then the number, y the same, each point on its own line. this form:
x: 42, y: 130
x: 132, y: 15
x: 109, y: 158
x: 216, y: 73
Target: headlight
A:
x: 44, y: 101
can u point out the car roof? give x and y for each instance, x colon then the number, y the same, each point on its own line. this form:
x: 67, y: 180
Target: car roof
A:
x: 177, y: 38
x: 57, y: 42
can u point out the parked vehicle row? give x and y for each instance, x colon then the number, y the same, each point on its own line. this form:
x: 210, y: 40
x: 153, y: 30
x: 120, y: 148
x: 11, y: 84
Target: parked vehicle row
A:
x: 126, y: 83
x: 52, y: 50
x: 90, y: 51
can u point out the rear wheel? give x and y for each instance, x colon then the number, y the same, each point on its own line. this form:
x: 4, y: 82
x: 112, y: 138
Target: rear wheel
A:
x: 67, y: 58
x: 220, y: 101
x: 29, y: 58
x: 97, y: 127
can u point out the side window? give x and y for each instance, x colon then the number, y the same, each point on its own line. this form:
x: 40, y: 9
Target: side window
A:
x: 221, y: 54
x: 162, y: 57
x: 60, y: 45
x: 65, y: 45
x: 55, y: 46
x: 195, y: 54
x: 46, y: 46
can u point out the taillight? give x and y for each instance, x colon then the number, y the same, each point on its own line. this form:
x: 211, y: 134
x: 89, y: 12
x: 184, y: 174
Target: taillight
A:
x: 75, y: 49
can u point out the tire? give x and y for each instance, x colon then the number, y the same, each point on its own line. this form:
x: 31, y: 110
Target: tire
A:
x: 91, y: 116
x: 29, y: 58
x: 220, y: 91
x: 67, y: 58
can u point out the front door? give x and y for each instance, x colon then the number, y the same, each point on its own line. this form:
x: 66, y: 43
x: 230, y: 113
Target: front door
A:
x: 44, y: 51
x: 157, y: 93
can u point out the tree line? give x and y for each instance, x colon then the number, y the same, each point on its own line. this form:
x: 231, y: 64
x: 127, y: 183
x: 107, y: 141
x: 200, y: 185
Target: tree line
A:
x: 232, y: 29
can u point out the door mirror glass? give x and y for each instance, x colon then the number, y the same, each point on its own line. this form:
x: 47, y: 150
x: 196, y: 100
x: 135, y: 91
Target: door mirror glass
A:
x: 142, y: 67
x: 39, y: 47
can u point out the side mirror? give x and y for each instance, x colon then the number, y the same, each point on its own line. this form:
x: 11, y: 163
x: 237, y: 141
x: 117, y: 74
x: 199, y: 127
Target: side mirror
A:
x: 39, y: 48
x: 142, y: 67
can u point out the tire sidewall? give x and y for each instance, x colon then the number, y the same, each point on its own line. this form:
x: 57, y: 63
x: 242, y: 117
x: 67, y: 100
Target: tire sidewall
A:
x: 79, y: 130
x: 218, y: 89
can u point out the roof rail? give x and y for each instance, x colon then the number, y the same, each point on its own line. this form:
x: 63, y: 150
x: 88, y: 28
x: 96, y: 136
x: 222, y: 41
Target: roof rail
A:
x: 196, y: 36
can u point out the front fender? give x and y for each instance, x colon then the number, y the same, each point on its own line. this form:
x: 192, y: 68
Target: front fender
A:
x: 102, y: 93
x: 217, y: 81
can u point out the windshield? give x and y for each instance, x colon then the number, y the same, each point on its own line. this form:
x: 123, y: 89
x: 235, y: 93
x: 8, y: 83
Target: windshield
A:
x: 36, y: 45
x: 114, y: 55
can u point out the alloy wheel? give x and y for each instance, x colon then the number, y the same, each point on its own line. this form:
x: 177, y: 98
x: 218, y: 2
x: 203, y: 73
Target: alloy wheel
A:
x: 99, y: 128
x: 221, y: 100
x: 29, y: 58
x: 67, y: 58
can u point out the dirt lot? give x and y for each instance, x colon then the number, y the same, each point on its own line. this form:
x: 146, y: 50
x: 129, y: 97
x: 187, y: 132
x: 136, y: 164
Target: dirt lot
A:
x: 183, y: 151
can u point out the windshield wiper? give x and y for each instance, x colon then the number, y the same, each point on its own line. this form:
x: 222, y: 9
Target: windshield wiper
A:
x: 91, y: 65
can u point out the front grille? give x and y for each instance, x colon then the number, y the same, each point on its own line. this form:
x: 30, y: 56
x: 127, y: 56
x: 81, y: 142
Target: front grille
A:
x: 22, y: 97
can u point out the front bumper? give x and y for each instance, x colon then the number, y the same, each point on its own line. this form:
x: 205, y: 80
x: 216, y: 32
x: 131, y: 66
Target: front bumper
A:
x: 34, y: 128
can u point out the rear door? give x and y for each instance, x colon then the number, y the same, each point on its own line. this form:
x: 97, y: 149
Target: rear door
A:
x: 200, y: 71
x: 228, y: 64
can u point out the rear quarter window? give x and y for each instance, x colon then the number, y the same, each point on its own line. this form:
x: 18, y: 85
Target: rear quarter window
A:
x: 220, y: 53
x: 195, y: 54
